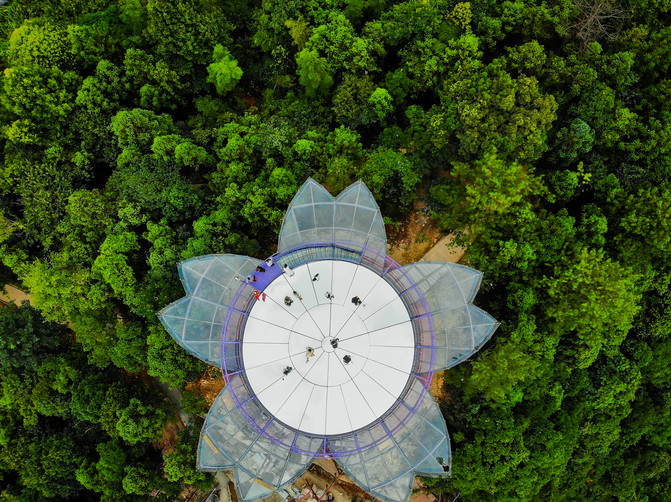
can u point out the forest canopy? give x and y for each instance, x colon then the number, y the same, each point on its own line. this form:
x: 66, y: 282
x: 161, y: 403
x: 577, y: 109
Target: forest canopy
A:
x: 138, y: 133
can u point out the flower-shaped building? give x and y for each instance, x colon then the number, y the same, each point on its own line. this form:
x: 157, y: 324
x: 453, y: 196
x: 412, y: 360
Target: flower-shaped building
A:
x: 327, y: 348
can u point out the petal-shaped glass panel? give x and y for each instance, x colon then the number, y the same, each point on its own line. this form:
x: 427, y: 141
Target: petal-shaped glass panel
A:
x: 210, y: 458
x: 213, y: 277
x: 249, y: 487
x: 399, y: 489
x: 196, y: 325
x: 314, y: 216
x: 459, y: 328
x: 324, y: 215
x: 300, y: 217
x: 438, y: 462
x: 445, y: 284
x: 212, y: 283
x: 349, y: 195
x: 482, y: 324
x: 261, y: 466
x: 367, y: 226
x: 419, y: 445
x: 459, y: 333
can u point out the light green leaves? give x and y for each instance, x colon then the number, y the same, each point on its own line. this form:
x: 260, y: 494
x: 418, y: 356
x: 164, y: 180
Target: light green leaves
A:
x: 486, y: 191
x: 314, y: 72
x: 224, y: 73
x: 597, y: 298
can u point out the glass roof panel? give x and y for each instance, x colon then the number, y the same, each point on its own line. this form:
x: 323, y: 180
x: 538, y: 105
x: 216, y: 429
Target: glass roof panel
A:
x: 320, y: 194
x: 352, y: 217
x: 349, y: 195
x: 431, y: 464
x: 399, y: 490
x: 324, y: 215
x: 304, y: 194
x: 387, y: 469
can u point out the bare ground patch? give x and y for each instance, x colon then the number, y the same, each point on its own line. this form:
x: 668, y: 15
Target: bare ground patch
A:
x: 209, y: 385
x: 414, y: 237
x: 170, y: 435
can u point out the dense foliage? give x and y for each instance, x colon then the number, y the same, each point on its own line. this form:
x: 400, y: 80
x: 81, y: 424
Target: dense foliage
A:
x: 137, y: 133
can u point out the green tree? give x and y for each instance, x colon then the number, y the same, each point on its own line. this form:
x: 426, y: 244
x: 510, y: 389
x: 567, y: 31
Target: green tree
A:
x: 40, y: 43
x: 112, y: 461
x: 168, y: 361
x: 595, y: 297
x: 194, y: 403
x: 112, y: 263
x: 644, y: 237
x: 141, y: 480
x: 182, y: 150
x: 41, y: 99
x: 139, y: 422
x: 300, y: 31
x: 515, y: 117
x: 136, y: 129
x: 133, y: 13
x: 130, y: 348
x: 95, y: 37
x: 393, y: 178
x: 180, y: 462
x: 354, y: 104
x: 159, y: 86
x: 382, y: 103
x: 575, y: 140
x: 224, y: 72
x: 484, y: 191
x: 98, y: 99
x: 314, y: 72
x: 49, y: 468
x: 341, y: 47
x: 26, y: 338
x: 88, y: 397
x: 186, y: 31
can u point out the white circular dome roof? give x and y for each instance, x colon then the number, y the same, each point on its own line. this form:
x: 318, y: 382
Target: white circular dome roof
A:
x: 328, y: 347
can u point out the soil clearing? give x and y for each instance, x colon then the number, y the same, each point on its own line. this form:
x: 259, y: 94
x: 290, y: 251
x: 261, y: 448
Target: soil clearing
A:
x: 209, y: 385
x: 414, y: 237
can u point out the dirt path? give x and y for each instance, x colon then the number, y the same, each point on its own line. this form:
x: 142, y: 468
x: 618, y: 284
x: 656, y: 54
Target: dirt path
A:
x: 13, y: 294
x: 444, y: 250
x: 209, y: 385
x: 175, y: 397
